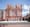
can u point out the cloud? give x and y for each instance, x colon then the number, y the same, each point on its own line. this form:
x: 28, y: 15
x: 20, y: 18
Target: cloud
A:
x: 25, y: 7
x: 25, y: 10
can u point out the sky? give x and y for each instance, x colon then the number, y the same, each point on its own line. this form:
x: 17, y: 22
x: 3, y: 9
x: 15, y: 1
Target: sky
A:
x: 25, y: 10
x: 25, y: 3
x: 3, y: 3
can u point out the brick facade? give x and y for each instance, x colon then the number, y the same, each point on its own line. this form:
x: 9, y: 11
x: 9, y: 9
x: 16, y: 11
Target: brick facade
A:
x: 13, y: 13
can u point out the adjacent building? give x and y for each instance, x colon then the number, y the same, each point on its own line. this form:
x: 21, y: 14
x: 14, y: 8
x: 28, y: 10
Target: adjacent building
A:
x: 1, y: 15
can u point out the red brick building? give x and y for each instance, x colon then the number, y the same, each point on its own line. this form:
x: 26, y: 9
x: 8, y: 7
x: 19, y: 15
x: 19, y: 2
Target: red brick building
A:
x: 13, y: 13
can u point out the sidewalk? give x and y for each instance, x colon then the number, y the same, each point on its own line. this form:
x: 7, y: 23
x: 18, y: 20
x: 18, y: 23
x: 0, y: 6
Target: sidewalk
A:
x: 3, y: 22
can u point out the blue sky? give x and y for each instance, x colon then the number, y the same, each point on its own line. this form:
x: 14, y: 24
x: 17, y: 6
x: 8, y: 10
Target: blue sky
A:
x: 3, y: 3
